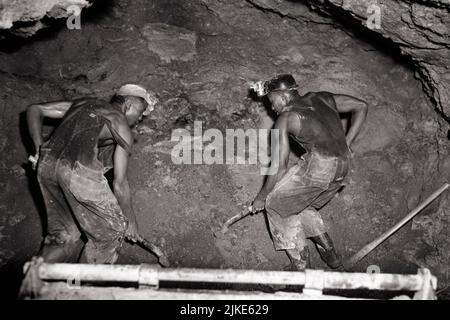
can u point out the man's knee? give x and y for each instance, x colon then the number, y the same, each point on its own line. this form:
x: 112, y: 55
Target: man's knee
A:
x: 275, y: 204
x: 104, y: 250
x: 111, y: 234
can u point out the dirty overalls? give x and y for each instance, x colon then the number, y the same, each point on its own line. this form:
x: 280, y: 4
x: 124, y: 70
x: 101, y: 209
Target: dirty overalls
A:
x: 307, y: 186
x: 77, y: 196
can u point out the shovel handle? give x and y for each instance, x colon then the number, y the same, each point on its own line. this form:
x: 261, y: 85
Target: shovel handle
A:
x: 236, y: 218
x: 371, y: 246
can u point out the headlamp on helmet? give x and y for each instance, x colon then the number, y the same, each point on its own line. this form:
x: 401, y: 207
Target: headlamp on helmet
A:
x: 281, y: 82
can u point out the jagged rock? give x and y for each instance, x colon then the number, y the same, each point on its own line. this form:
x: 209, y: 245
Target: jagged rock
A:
x: 30, y: 12
x: 290, y: 8
x: 420, y: 29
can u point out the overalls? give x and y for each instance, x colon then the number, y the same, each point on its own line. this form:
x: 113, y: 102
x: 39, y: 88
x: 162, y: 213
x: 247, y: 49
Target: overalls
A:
x: 77, y: 196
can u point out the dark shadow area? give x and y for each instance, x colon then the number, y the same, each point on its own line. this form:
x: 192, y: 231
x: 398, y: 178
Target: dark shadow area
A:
x: 442, y: 114
x: 10, y: 42
x: 375, y: 39
x: 444, y: 294
x: 11, y: 278
x: 100, y: 10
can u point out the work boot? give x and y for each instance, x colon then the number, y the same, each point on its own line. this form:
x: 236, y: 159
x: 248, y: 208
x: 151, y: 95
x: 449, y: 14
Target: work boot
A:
x: 327, y: 251
x: 299, y: 259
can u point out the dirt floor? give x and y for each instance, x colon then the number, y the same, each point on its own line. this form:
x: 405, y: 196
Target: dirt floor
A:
x: 401, y: 155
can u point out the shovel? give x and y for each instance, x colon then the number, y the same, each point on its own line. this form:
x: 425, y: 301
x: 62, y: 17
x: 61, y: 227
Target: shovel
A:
x: 162, y: 258
x: 145, y: 244
x: 220, y: 233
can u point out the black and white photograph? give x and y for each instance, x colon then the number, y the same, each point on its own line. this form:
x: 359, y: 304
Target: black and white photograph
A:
x: 230, y: 151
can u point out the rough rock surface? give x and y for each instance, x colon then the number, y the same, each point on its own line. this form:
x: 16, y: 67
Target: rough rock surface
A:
x: 421, y: 29
x: 170, y: 43
x: 401, y: 156
x: 24, y: 17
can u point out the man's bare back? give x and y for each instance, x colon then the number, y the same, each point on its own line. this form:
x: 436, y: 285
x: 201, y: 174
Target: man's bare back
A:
x: 317, y: 126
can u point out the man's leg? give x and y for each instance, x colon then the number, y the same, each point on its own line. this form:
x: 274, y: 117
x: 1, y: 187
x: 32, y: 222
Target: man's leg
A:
x: 289, y: 197
x: 299, y: 258
x: 99, y: 216
x: 308, y: 188
x: 326, y: 249
x: 105, y: 232
x: 62, y: 243
x: 288, y: 235
x: 316, y: 230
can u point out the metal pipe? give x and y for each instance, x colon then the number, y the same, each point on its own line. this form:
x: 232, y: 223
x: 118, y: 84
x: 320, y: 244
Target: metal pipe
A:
x: 89, y: 272
x: 151, y: 275
x: 58, y: 290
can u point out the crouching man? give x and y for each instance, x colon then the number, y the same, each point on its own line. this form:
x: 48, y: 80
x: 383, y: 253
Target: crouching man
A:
x: 93, y: 137
x: 292, y: 197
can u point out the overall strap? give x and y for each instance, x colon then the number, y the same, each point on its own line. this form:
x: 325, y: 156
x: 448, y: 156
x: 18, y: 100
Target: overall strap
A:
x: 75, y: 112
x: 118, y: 138
x: 334, y: 109
x: 327, y: 104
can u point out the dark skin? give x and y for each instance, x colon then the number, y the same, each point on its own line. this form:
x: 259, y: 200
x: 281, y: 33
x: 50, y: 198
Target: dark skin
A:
x: 121, y: 116
x: 288, y: 124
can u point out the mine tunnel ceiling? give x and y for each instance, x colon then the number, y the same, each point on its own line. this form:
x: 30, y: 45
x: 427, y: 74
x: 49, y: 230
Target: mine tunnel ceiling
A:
x: 421, y: 29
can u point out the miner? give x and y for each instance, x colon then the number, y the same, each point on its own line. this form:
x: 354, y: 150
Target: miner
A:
x: 292, y: 196
x: 86, y: 219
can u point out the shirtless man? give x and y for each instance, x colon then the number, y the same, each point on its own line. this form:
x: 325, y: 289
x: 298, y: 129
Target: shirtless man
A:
x: 291, y: 197
x: 93, y: 137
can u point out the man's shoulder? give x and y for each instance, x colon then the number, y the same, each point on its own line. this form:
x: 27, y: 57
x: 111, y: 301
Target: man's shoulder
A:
x: 321, y: 94
x: 86, y: 101
x: 324, y: 96
x: 289, y: 120
x: 105, y: 109
x: 116, y: 117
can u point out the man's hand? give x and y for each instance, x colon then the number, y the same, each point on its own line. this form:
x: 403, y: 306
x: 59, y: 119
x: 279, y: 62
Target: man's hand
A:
x: 132, y: 232
x: 34, y: 161
x: 35, y: 115
x: 358, y: 108
x: 257, y: 205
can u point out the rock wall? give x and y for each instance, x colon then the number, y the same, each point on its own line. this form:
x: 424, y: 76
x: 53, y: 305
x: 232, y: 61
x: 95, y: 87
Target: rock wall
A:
x: 24, y: 17
x: 401, y: 155
x: 420, y: 29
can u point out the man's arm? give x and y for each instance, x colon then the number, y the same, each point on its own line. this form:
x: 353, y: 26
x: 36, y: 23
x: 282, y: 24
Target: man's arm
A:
x: 357, y: 107
x: 279, y: 160
x: 36, y: 114
x: 120, y: 185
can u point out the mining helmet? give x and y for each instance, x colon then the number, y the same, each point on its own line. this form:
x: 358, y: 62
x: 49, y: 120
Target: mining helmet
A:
x: 281, y: 82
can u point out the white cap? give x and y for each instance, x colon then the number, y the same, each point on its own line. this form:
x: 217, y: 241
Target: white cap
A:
x: 138, y: 91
